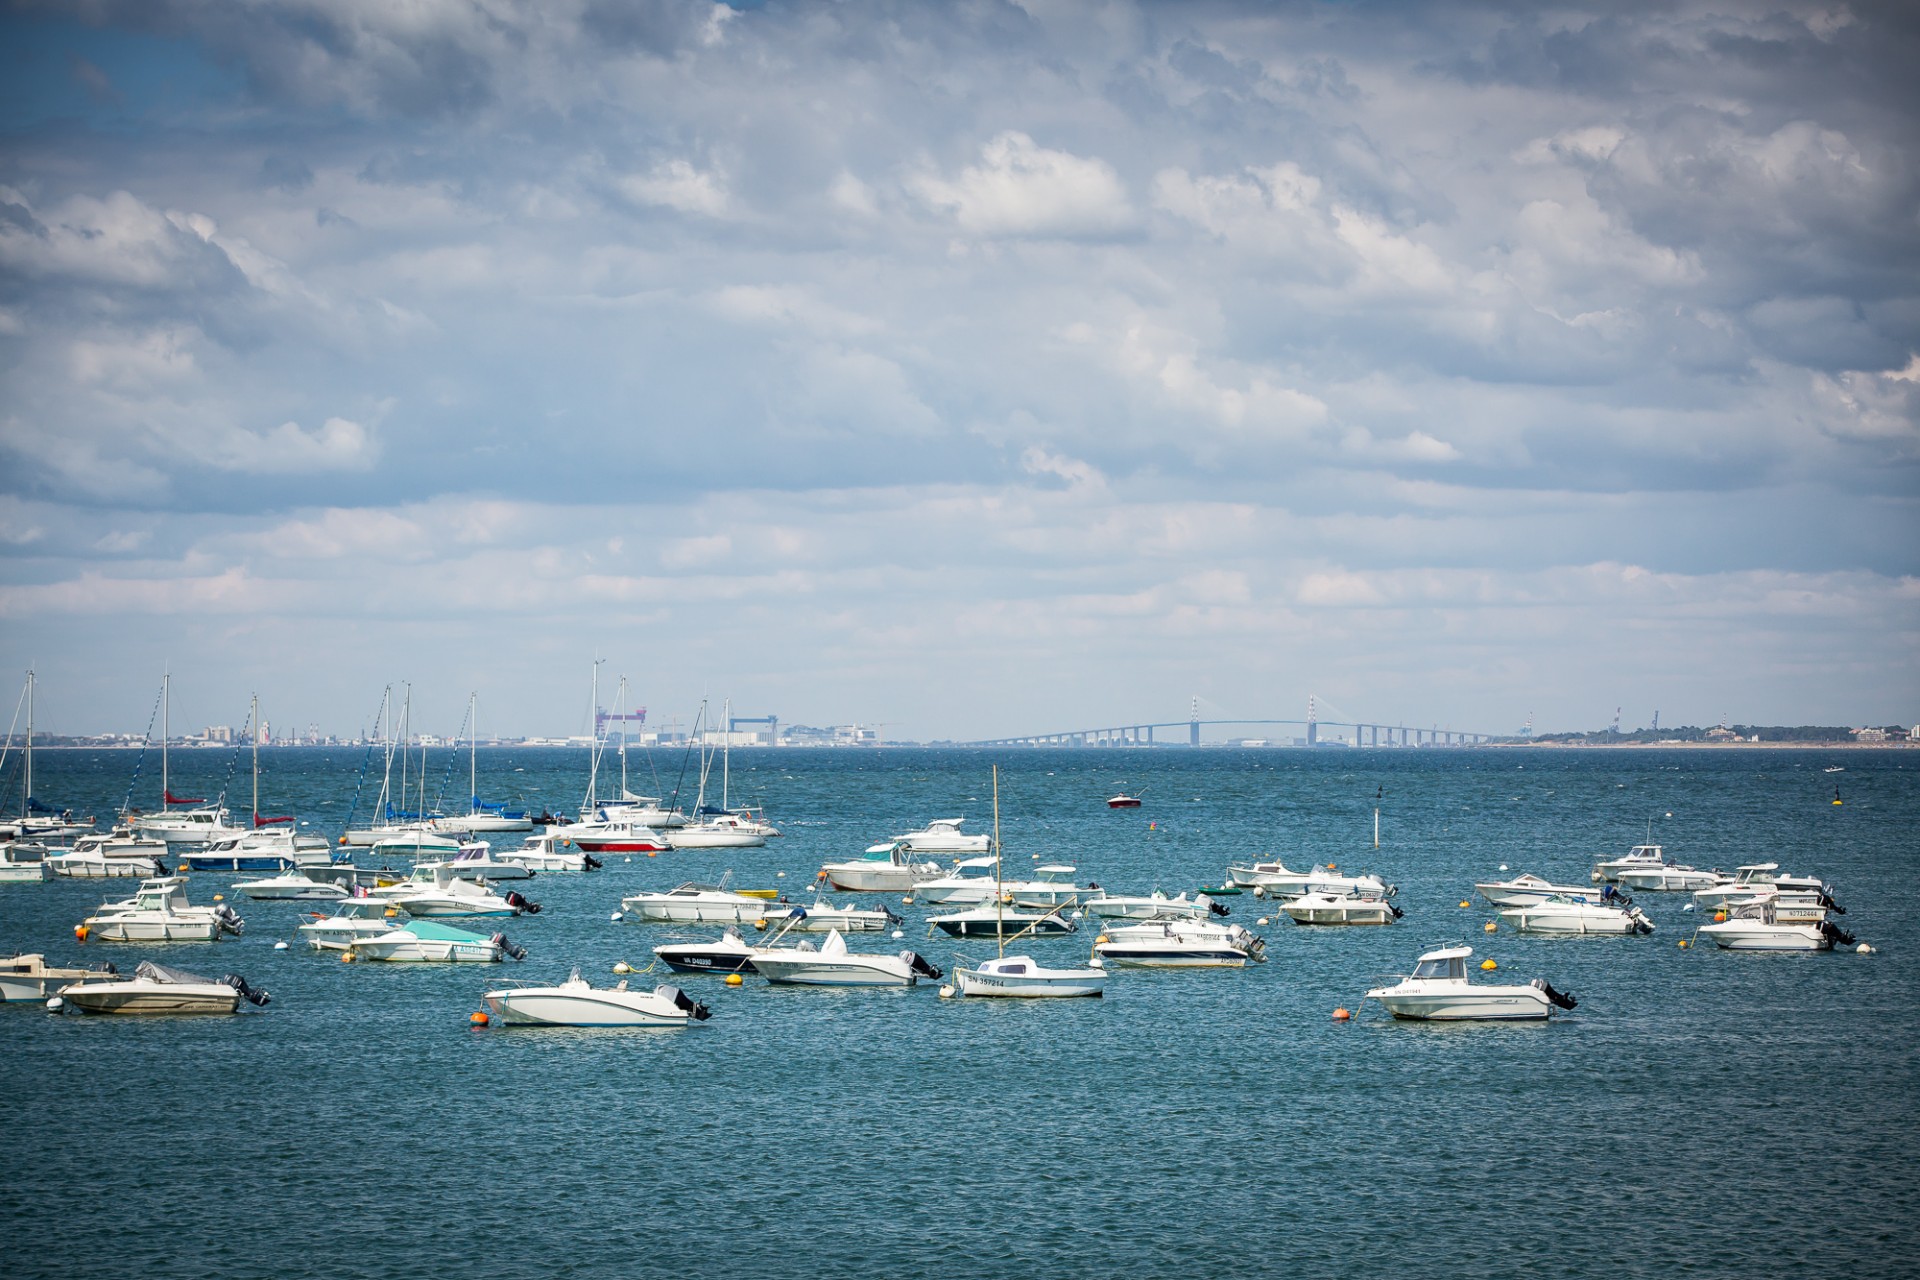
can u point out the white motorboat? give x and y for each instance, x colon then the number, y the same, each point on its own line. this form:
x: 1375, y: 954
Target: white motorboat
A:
x: 90, y: 865
x: 120, y: 842
x: 454, y: 895
x: 998, y: 920
x: 24, y: 862
x: 159, y: 912
x: 1642, y: 857
x: 1524, y: 890
x: 696, y: 903
x: 1577, y: 914
x: 159, y: 989
x: 1179, y: 944
x: 611, y: 835
x: 821, y: 916
x: 1756, y: 879
x: 725, y: 831
x: 427, y: 942
x: 957, y: 888
x: 268, y: 849
x: 832, y: 965
x: 417, y: 843
x: 1438, y: 990
x: 578, y: 1003
x: 644, y: 810
x: 1052, y: 886
x: 1800, y: 898
x: 1341, y: 908
x: 943, y: 835
x: 353, y: 920
x: 729, y: 953
x: 31, y: 978
x: 543, y: 854
x: 192, y: 826
x: 1153, y: 906
x: 883, y: 868
x: 475, y: 861
x: 1276, y: 880
x: 1024, y: 977
x: 295, y: 886
x: 1668, y: 877
x: 1770, y: 925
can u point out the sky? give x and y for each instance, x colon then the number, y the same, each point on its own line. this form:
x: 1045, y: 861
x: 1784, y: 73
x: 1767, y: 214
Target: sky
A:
x: 969, y: 369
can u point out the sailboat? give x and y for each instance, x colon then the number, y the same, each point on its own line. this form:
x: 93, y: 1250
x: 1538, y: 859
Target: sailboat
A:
x: 1021, y: 976
x: 481, y: 816
x: 719, y: 828
x: 272, y: 844
x: 389, y: 824
x: 36, y: 820
x: 197, y: 822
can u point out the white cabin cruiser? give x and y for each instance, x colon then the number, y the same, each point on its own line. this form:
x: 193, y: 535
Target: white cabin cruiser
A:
x: 1577, y: 914
x: 729, y: 953
x: 120, y: 842
x: 1052, y: 886
x: 268, y: 849
x: 1153, y: 906
x: 1770, y: 925
x: 1755, y: 880
x: 31, y: 978
x: 161, y: 989
x: 724, y: 831
x: 578, y: 1003
x: 645, y: 810
x: 1179, y: 944
x: 1341, y: 908
x: 997, y: 920
x: 1524, y: 890
x: 1642, y: 857
x: 1668, y: 877
x: 427, y: 942
x: 943, y: 835
x: 832, y: 965
x: 187, y: 826
x: 295, y: 886
x: 159, y: 912
x: 353, y: 920
x: 416, y: 843
x: 454, y: 895
x: 1023, y: 977
x: 92, y: 865
x: 610, y: 835
x: 24, y: 862
x: 883, y: 868
x: 696, y: 903
x: 1276, y: 880
x: 956, y: 888
x: 1438, y: 990
x: 475, y: 861
x: 543, y: 854
x: 821, y: 916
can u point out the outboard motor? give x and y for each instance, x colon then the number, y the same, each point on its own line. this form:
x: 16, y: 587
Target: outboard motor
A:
x: 247, y: 992
x: 590, y: 862
x: 518, y: 901
x: 1218, y: 909
x: 1835, y: 934
x: 229, y: 919
x: 1560, y: 998
x: 1398, y: 914
x: 1825, y: 898
x: 683, y: 1002
x: 892, y: 918
x: 501, y: 941
x: 920, y: 966
x: 1640, y: 922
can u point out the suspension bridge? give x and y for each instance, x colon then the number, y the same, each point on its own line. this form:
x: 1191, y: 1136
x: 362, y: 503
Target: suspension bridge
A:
x: 1313, y: 732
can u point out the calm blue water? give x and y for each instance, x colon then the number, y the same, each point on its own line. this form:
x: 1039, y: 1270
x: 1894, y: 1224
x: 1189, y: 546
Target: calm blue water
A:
x: 1701, y: 1113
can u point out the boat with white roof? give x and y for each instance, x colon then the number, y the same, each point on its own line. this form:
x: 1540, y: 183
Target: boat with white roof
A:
x: 159, y: 912
x: 1153, y: 906
x: 943, y: 835
x: 429, y: 942
x: 1438, y: 990
x: 883, y: 868
x: 1341, y: 908
x: 832, y: 964
x: 696, y: 903
x: 1276, y: 880
x: 29, y: 978
x: 729, y: 953
x: 1179, y: 944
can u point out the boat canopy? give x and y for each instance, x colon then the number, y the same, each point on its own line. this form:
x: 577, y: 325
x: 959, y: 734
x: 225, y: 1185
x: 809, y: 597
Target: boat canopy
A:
x: 1055, y: 869
x: 166, y: 973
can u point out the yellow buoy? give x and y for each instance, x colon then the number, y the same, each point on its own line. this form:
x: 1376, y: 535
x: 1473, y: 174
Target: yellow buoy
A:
x: 734, y: 979
x: 1465, y: 903
x: 1342, y: 1015
x: 219, y: 897
x: 1491, y: 926
x: 1488, y: 963
x: 761, y: 923
x: 478, y: 1018
x: 346, y: 957
x: 622, y: 967
x: 1683, y: 944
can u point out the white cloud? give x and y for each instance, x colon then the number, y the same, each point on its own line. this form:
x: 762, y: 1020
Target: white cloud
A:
x: 338, y: 444
x: 1023, y: 189
x: 676, y: 184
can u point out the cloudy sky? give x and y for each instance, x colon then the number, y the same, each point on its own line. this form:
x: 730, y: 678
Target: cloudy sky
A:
x: 974, y: 368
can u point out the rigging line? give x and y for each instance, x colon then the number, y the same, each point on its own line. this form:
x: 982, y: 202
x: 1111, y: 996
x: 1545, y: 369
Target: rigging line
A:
x: 127, y: 804
x: 18, y: 703
x: 365, y: 762
x: 453, y: 758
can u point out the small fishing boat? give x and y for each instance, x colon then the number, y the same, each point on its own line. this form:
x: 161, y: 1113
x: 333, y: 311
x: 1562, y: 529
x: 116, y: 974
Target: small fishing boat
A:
x: 957, y: 888
x: 1668, y: 877
x: 31, y: 978
x: 610, y: 835
x: 159, y: 912
x: 1438, y: 990
x: 1524, y: 890
x: 475, y: 861
x: 353, y: 920
x: 24, y: 862
x: 273, y: 849
x: 296, y: 886
x: 1341, y: 908
x: 1773, y: 924
x: 543, y: 854
x: 1052, y: 886
x: 883, y: 868
x: 94, y: 865
x: 1153, y: 906
x: 722, y: 831
x: 425, y: 942
x: 453, y: 895
x: 1022, y: 977
x: 833, y: 965
x: 1642, y: 857
x: 943, y: 835
x: 1179, y: 944
x: 160, y: 989
x: 578, y: 1003
x: 696, y: 903
x: 998, y: 920
x: 1276, y: 880
x: 1123, y: 801
x: 821, y: 916
x: 1577, y: 914
x: 729, y: 953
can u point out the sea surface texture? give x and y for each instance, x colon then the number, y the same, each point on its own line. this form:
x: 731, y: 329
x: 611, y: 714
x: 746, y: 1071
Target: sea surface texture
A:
x: 1701, y: 1113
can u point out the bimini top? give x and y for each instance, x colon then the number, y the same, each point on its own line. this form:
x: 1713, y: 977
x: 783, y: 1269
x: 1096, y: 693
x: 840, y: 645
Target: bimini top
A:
x: 1447, y: 953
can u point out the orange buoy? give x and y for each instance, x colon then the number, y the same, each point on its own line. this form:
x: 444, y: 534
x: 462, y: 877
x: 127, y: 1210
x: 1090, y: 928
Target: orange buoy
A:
x: 80, y: 933
x: 479, y: 1018
x: 1719, y: 917
x: 1342, y: 1015
x: 653, y: 853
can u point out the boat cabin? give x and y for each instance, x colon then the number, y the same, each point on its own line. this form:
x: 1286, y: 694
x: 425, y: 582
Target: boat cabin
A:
x: 1449, y: 965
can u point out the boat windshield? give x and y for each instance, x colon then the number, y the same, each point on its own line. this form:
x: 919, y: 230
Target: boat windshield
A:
x: 1451, y: 967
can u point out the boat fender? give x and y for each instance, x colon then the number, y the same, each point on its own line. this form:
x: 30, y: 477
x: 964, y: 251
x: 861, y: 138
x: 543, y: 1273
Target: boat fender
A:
x: 1863, y: 950
x: 55, y: 1004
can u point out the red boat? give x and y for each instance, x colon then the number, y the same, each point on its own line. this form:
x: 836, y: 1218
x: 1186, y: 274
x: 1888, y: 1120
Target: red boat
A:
x: 617, y: 836
x: 1124, y: 802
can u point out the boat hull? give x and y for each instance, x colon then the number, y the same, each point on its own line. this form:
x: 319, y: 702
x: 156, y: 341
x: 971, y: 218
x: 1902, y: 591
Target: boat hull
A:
x: 988, y: 927
x: 1480, y: 1006
x: 133, y: 929
x: 1038, y: 984
x: 1151, y: 957
x: 820, y: 971
x: 1744, y: 935
x: 552, y: 1007
x: 152, y: 998
x: 696, y: 959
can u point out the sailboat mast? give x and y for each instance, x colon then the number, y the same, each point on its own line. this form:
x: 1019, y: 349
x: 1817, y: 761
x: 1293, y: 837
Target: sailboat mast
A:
x: 726, y: 753
x: 473, y: 754
x: 593, y: 756
x: 406, y: 737
x: 166, y: 696
x: 26, y: 795
x: 620, y: 714
x: 999, y: 883
x: 254, y: 733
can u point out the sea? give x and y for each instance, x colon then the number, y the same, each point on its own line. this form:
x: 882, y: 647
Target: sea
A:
x: 1700, y: 1113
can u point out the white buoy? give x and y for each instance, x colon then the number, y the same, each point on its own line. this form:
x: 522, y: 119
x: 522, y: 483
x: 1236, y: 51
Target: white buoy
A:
x: 629, y: 859
x: 1264, y: 921
x: 622, y: 967
x: 779, y: 875
x: 279, y: 946
x: 1863, y: 950
x: 1259, y: 891
x: 1687, y: 907
x: 946, y: 993
x: 907, y: 901
x: 615, y: 916
x: 1098, y: 962
x: 898, y: 934
x: 55, y: 1004
x: 1503, y: 866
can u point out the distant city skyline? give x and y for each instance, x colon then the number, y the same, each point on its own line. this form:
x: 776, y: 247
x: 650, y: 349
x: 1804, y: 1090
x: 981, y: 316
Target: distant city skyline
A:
x: 963, y: 371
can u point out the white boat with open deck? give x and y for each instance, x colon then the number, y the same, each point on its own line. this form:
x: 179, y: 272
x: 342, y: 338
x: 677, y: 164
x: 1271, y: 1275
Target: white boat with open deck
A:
x: 429, y: 942
x: 1642, y: 857
x: 997, y: 919
x: 1276, y: 880
x: 943, y: 835
x: 722, y: 831
x: 831, y: 964
x: 1577, y: 914
x: 1153, y: 906
x: 160, y: 989
x: 578, y: 1003
x: 476, y: 861
x: 291, y: 886
x: 454, y: 895
x: 94, y: 865
x: 696, y: 903
x: 883, y: 868
x: 353, y: 920
x: 30, y: 978
x: 1438, y: 991
x: 1341, y: 908
x: 1668, y: 877
x: 957, y: 889
x: 24, y: 862
x: 729, y: 953
x: 1051, y: 886
x: 1524, y: 890
x: 821, y: 916
x: 1179, y: 944
x: 543, y: 854
x: 1794, y: 922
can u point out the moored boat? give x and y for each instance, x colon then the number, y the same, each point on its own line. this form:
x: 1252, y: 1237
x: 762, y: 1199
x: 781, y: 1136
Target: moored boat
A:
x: 578, y: 1003
x: 161, y: 989
x: 1438, y: 991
